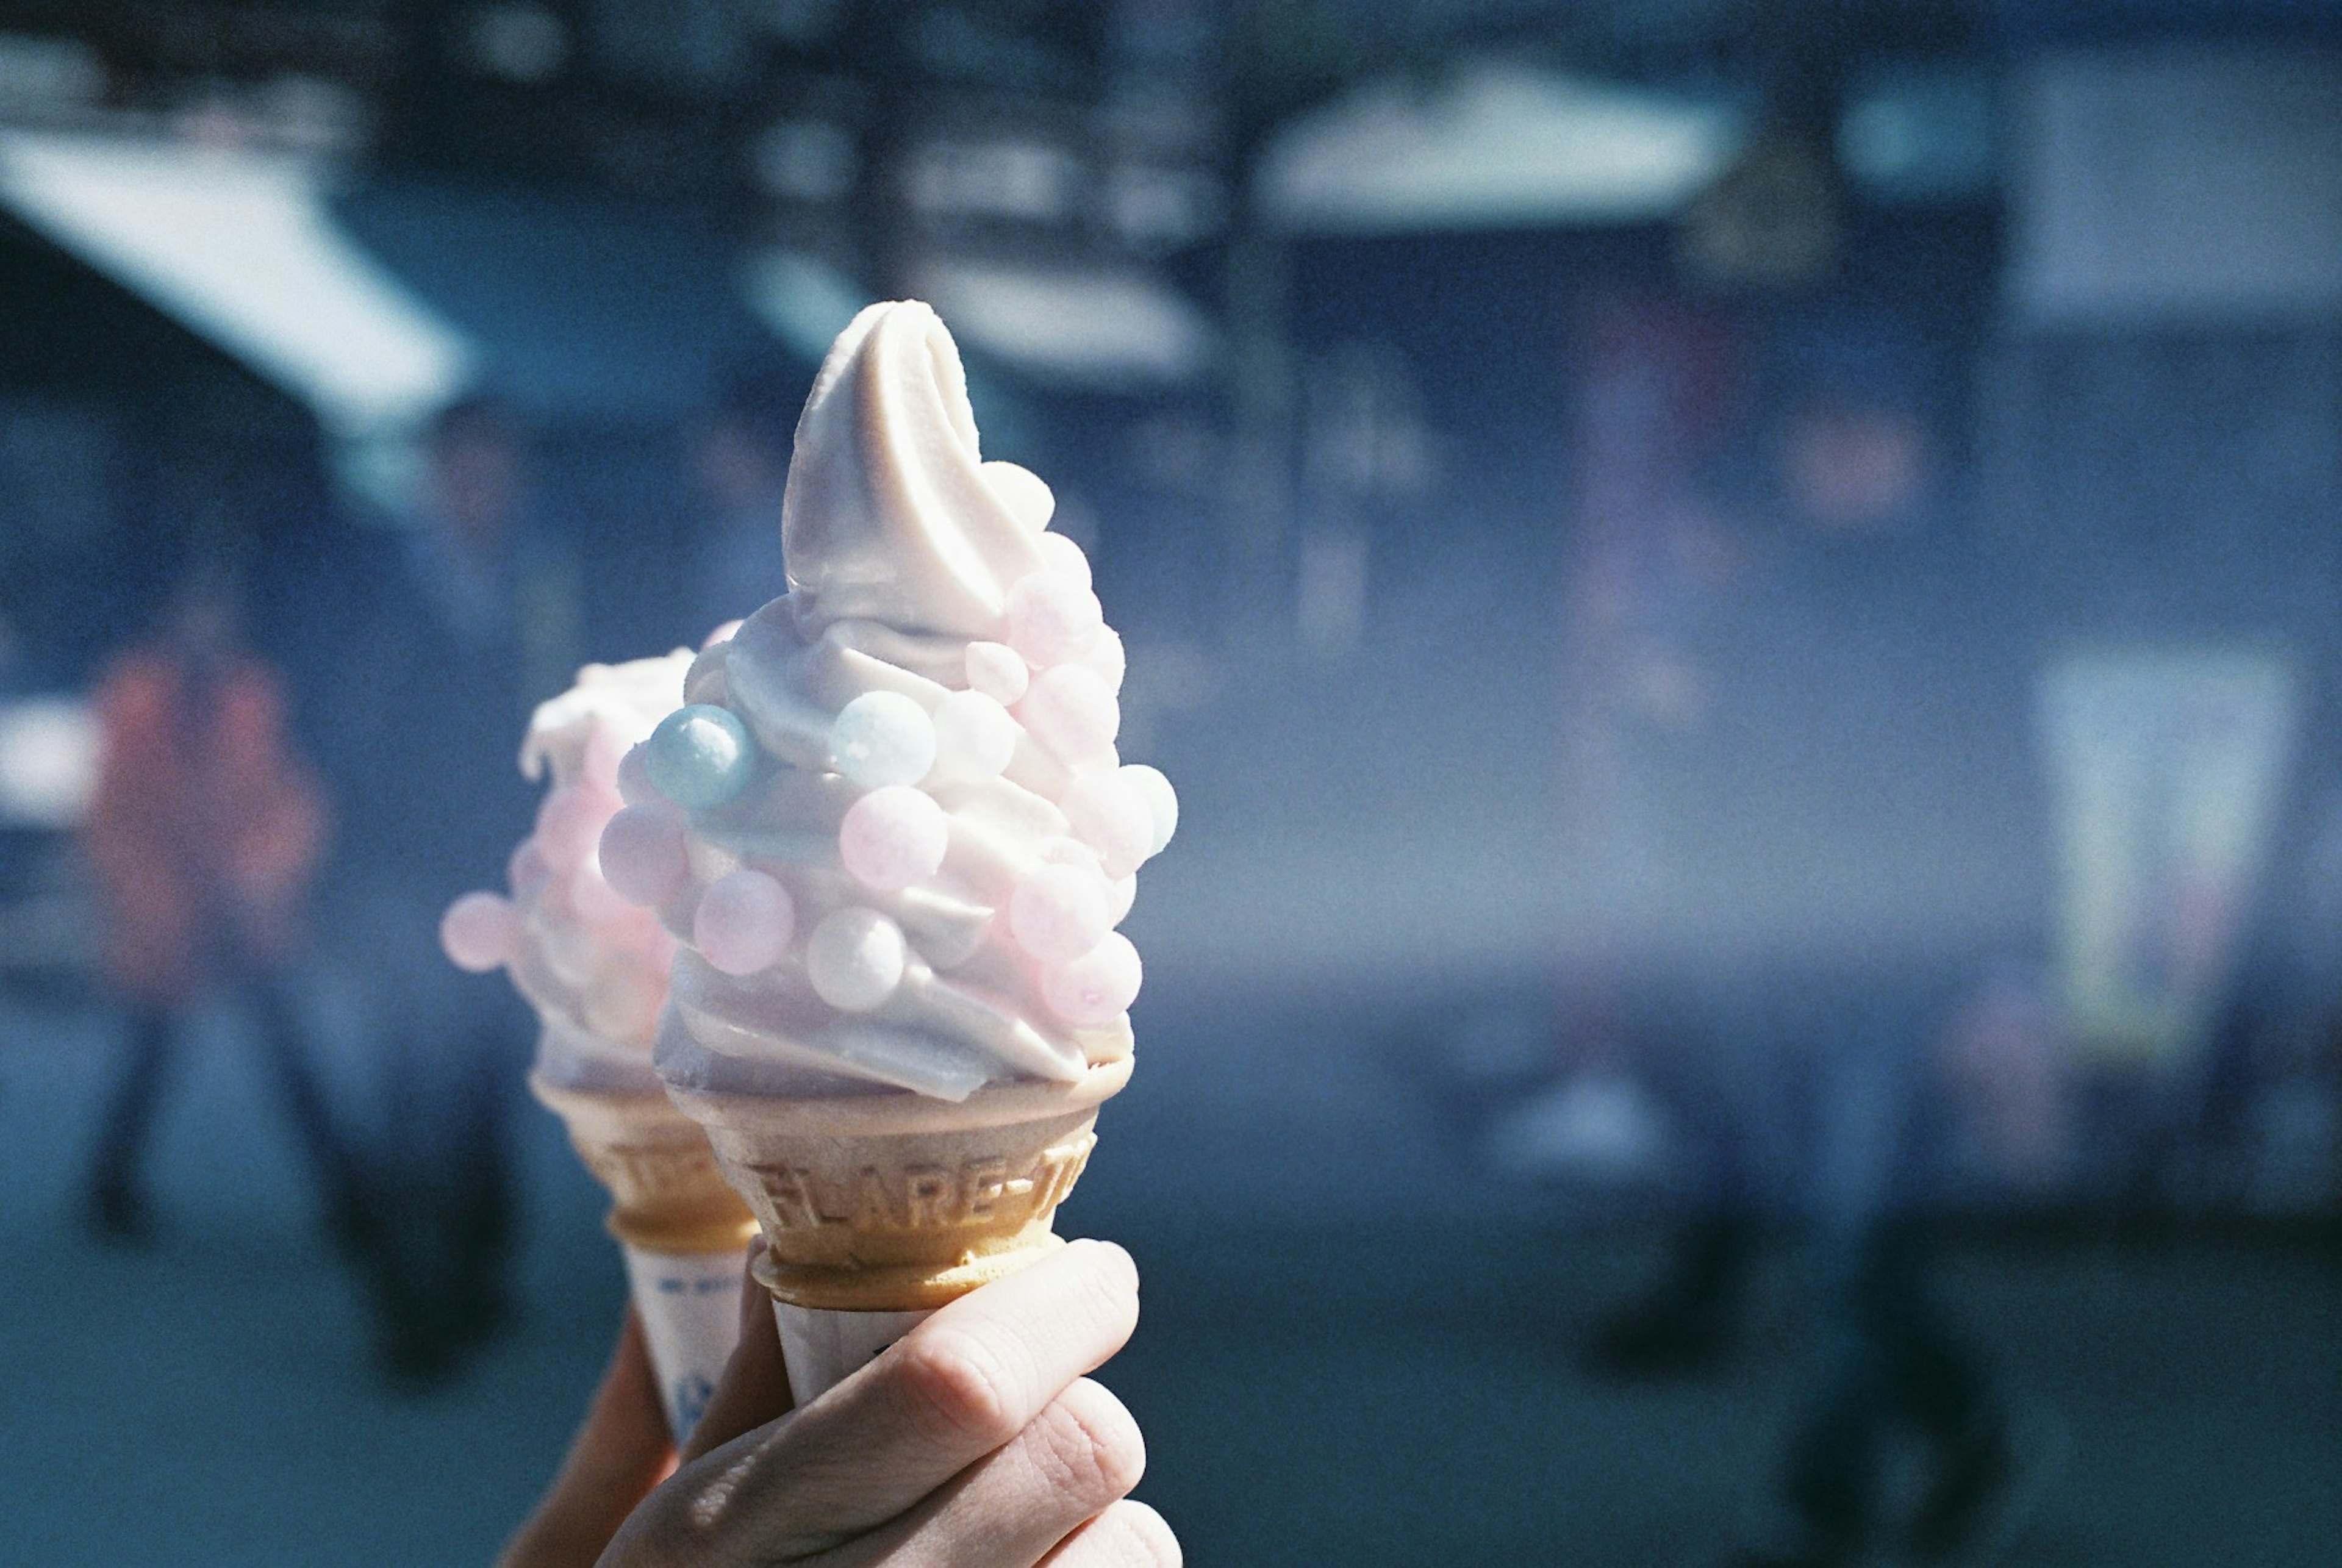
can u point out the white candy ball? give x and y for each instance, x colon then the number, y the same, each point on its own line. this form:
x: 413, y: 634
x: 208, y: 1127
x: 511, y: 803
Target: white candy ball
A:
x: 975, y: 736
x: 1162, y: 803
x: 1024, y: 493
x: 882, y: 738
x: 480, y: 932
x: 1062, y: 556
x: 744, y: 922
x: 1125, y: 894
x: 996, y: 670
x: 642, y: 853
x: 855, y: 959
x: 893, y: 837
x: 1060, y: 912
x: 635, y: 786
x: 1109, y: 813
x: 1105, y: 655
x: 1097, y: 988
x: 1072, y: 711
x: 1052, y: 619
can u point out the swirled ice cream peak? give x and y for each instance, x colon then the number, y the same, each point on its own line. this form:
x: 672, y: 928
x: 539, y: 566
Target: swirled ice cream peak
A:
x: 594, y: 963
x: 890, y: 824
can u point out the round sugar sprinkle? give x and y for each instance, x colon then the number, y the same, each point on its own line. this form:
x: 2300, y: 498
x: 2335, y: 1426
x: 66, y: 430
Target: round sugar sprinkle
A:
x: 882, y: 738
x: 635, y: 786
x: 893, y: 837
x: 480, y: 932
x: 1060, y: 912
x: 1070, y: 710
x: 1105, y: 655
x: 1108, y: 813
x: 700, y: 756
x: 1062, y: 556
x: 975, y: 736
x: 855, y: 959
x: 1051, y: 618
x: 1097, y: 988
x: 642, y: 853
x: 1024, y: 493
x: 1162, y: 803
x: 996, y: 670
x: 744, y: 922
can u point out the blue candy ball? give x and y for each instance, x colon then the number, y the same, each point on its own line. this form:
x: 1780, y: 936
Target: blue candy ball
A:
x: 700, y: 756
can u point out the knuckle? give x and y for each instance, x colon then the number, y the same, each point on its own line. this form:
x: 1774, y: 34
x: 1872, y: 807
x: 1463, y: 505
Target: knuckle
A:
x: 1087, y: 1447
x: 952, y: 1386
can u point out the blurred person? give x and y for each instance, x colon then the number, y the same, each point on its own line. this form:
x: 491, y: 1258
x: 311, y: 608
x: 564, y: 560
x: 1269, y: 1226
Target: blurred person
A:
x: 740, y: 466
x: 1841, y: 837
x: 448, y: 631
x: 203, y: 836
x: 978, y: 1440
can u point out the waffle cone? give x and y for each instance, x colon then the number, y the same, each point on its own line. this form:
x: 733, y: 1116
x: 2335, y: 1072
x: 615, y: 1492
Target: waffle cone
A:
x: 897, y: 1201
x: 666, y: 1194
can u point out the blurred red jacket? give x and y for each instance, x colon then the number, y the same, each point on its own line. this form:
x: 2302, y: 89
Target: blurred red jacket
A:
x: 205, y: 828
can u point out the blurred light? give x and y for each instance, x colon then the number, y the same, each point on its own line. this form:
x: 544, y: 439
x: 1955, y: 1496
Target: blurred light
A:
x: 806, y: 160
x: 2167, y: 184
x: 805, y: 301
x: 1026, y: 180
x: 519, y: 42
x: 48, y: 762
x: 1499, y: 144
x: 48, y: 73
x: 1922, y: 136
x: 1100, y: 328
x: 1147, y: 205
x: 240, y: 249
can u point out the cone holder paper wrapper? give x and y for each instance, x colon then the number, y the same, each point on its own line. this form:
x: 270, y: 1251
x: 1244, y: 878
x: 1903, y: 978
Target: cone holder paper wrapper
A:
x: 685, y: 1232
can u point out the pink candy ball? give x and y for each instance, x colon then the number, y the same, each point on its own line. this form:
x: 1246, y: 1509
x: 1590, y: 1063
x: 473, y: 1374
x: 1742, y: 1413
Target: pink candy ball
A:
x: 996, y: 670
x: 1071, y: 710
x: 635, y: 786
x: 1060, y: 912
x: 893, y: 837
x: 642, y: 855
x: 1105, y: 655
x: 480, y: 932
x: 1097, y: 988
x: 1110, y: 814
x: 744, y: 922
x: 1062, y: 556
x: 1052, y: 619
x: 569, y: 825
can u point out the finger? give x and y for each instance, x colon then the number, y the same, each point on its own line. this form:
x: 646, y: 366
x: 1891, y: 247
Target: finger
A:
x: 755, y: 1387
x: 1078, y: 1457
x: 959, y: 1386
x: 621, y: 1451
x: 1127, y: 1536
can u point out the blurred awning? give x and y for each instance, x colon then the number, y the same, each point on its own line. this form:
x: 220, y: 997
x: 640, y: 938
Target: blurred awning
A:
x: 1113, y: 328
x: 1495, y: 145
x: 241, y: 248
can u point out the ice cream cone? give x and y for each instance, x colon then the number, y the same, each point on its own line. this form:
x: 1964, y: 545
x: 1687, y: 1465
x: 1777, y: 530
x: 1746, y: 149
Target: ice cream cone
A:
x: 877, y: 1209
x: 684, y: 1231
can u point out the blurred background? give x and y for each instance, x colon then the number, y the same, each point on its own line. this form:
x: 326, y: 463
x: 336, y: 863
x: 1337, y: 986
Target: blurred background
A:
x: 1742, y: 597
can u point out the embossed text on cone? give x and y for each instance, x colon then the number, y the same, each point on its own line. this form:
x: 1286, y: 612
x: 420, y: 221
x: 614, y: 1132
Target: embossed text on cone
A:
x: 666, y: 1193
x: 900, y: 1201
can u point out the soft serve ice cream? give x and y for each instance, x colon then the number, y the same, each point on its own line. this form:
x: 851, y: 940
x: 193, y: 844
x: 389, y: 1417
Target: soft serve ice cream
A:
x: 890, y: 826
x: 592, y: 963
